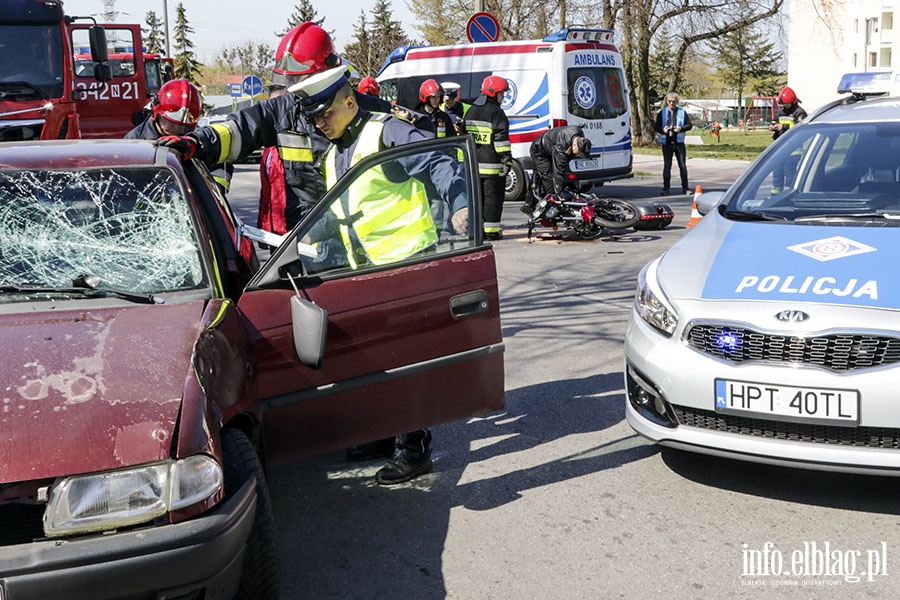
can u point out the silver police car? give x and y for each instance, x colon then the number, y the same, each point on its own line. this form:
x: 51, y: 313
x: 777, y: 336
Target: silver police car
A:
x: 771, y: 331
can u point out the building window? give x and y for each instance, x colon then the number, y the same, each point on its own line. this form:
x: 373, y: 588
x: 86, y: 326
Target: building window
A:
x: 873, y: 59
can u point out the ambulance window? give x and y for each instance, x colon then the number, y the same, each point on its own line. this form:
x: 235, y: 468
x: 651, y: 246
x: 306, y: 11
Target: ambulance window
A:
x: 596, y: 93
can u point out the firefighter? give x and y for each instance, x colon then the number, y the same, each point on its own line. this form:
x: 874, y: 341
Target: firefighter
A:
x: 368, y: 85
x: 490, y: 126
x: 789, y: 114
x: 305, y: 50
x: 175, y: 111
x: 430, y: 97
x: 402, y: 212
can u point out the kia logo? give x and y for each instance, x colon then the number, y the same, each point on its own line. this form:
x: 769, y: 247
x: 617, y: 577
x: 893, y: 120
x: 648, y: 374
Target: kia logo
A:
x: 792, y: 316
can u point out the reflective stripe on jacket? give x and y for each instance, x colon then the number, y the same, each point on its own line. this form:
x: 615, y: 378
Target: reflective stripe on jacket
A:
x: 381, y: 220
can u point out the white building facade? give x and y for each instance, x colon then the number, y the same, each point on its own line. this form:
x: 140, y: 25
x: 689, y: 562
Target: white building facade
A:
x: 827, y: 38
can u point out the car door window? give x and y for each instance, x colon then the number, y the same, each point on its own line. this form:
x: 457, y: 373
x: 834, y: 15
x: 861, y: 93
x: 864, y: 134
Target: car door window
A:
x: 407, y: 204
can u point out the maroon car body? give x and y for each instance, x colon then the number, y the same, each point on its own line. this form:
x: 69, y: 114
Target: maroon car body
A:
x: 187, y: 353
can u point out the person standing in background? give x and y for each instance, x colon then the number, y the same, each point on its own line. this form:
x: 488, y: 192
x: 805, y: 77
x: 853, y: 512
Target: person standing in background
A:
x: 671, y: 124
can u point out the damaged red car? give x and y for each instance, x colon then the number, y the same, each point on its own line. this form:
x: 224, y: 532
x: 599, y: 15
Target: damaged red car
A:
x: 151, y: 367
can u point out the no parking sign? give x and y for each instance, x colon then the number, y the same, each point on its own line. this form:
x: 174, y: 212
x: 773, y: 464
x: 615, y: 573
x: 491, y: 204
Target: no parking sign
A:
x: 483, y: 27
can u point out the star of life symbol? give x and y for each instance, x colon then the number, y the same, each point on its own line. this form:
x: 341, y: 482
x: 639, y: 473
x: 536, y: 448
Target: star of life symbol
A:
x: 585, y: 93
x: 831, y: 248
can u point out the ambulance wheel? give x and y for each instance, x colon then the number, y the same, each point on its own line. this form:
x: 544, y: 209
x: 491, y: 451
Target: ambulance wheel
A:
x: 516, y: 183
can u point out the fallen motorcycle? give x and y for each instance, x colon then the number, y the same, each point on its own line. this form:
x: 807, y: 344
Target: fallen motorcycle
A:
x: 586, y: 214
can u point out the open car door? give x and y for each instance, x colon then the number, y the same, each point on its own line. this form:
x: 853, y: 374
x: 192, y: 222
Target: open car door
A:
x: 379, y: 314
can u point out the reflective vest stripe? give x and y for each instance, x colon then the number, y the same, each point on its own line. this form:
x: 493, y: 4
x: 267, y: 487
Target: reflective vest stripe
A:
x: 293, y: 147
x: 229, y: 140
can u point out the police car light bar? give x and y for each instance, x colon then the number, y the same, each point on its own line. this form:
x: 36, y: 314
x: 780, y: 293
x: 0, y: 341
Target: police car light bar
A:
x: 866, y: 84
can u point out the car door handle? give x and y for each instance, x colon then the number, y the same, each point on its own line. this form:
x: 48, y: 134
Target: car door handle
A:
x: 610, y: 133
x: 468, y: 304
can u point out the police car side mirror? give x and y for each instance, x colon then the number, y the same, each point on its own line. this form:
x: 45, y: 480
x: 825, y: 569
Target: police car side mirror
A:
x: 706, y: 201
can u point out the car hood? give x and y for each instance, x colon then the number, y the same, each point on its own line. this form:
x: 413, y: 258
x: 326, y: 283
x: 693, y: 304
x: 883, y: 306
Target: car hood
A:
x: 721, y: 260
x: 87, y: 390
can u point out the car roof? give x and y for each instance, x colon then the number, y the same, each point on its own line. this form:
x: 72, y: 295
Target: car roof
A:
x: 879, y: 109
x: 79, y: 154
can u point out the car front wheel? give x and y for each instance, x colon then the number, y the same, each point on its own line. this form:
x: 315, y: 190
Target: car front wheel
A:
x: 260, y: 576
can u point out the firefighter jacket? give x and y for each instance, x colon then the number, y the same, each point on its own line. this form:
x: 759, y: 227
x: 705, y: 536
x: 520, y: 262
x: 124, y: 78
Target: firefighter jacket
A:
x: 490, y: 126
x: 147, y: 130
x: 443, y: 124
x: 276, y: 122
x: 382, y: 217
x: 787, y: 118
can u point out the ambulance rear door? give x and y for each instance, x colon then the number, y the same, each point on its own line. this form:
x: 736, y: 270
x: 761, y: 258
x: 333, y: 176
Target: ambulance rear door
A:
x: 596, y: 99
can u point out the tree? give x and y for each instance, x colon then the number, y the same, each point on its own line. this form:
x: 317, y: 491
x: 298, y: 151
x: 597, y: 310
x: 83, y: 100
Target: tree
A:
x: 375, y: 40
x: 249, y: 58
x: 154, y: 34
x: 186, y: 63
x: 747, y: 62
x: 303, y: 12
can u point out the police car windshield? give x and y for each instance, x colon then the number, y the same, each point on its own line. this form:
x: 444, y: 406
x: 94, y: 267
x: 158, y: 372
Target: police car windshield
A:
x: 819, y: 170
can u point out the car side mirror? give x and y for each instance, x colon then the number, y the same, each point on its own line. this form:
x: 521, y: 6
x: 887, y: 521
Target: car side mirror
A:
x: 309, y: 322
x: 706, y: 201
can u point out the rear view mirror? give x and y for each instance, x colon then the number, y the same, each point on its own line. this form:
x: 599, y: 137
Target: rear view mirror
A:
x: 706, y: 201
x: 309, y: 322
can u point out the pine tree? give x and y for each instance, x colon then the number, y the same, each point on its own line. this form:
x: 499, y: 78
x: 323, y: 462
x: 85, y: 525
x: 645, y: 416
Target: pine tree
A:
x: 303, y: 12
x: 154, y: 36
x: 186, y: 63
x: 747, y: 62
x: 375, y: 40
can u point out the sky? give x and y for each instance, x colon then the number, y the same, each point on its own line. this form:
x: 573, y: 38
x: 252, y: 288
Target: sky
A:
x: 219, y: 23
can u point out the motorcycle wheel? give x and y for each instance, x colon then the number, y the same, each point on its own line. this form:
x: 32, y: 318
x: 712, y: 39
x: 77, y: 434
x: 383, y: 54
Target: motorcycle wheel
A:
x: 586, y: 230
x: 613, y: 213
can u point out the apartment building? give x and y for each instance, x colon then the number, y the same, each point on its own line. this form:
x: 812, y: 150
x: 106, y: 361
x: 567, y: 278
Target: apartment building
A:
x: 827, y: 38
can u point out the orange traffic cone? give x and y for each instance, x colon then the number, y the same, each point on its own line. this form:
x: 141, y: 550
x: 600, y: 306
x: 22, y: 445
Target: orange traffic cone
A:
x: 695, y: 214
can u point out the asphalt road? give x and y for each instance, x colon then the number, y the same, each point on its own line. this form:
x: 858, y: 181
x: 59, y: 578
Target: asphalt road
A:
x: 556, y: 497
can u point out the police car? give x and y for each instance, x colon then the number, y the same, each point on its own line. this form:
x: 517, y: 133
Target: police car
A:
x: 771, y: 331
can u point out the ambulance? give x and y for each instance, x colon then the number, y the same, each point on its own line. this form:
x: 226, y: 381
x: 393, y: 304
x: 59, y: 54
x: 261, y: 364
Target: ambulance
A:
x: 572, y: 77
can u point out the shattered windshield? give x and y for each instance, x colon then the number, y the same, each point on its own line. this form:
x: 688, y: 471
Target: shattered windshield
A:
x: 131, y: 227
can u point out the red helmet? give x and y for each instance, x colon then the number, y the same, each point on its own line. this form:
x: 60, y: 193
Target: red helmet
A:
x: 178, y: 101
x: 368, y: 85
x: 430, y: 87
x: 493, y: 85
x: 304, y: 50
x: 787, y: 96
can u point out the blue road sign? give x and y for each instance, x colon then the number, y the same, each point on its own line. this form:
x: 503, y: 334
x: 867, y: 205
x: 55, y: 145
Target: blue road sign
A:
x: 235, y: 90
x: 251, y: 86
x: 483, y: 27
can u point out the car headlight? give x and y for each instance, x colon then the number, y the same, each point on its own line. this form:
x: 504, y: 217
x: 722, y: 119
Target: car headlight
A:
x: 124, y: 497
x: 651, y: 303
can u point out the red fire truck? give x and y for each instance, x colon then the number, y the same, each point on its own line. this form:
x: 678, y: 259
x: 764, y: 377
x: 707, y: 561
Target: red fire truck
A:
x: 43, y: 96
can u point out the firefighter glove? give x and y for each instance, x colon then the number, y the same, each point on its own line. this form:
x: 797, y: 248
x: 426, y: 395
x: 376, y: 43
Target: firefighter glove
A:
x: 184, y: 144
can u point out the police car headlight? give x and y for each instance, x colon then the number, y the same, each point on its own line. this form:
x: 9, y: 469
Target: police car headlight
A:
x: 651, y: 304
x: 124, y: 497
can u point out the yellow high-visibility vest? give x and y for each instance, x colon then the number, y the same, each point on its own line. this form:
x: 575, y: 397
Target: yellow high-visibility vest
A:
x: 381, y: 221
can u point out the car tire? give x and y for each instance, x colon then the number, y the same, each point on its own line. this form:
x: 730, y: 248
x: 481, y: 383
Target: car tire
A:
x: 260, y: 573
x: 516, y: 183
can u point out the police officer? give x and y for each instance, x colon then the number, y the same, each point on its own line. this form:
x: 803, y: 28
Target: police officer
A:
x: 551, y: 152
x: 430, y: 97
x: 327, y: 100
x: 175, y: 111
x: 490, y: 126
x: 452, y: 105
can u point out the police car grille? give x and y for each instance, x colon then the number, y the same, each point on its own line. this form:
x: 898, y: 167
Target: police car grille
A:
x: 839, y: 352
x: 21, y: 523
x: 865, y: 437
